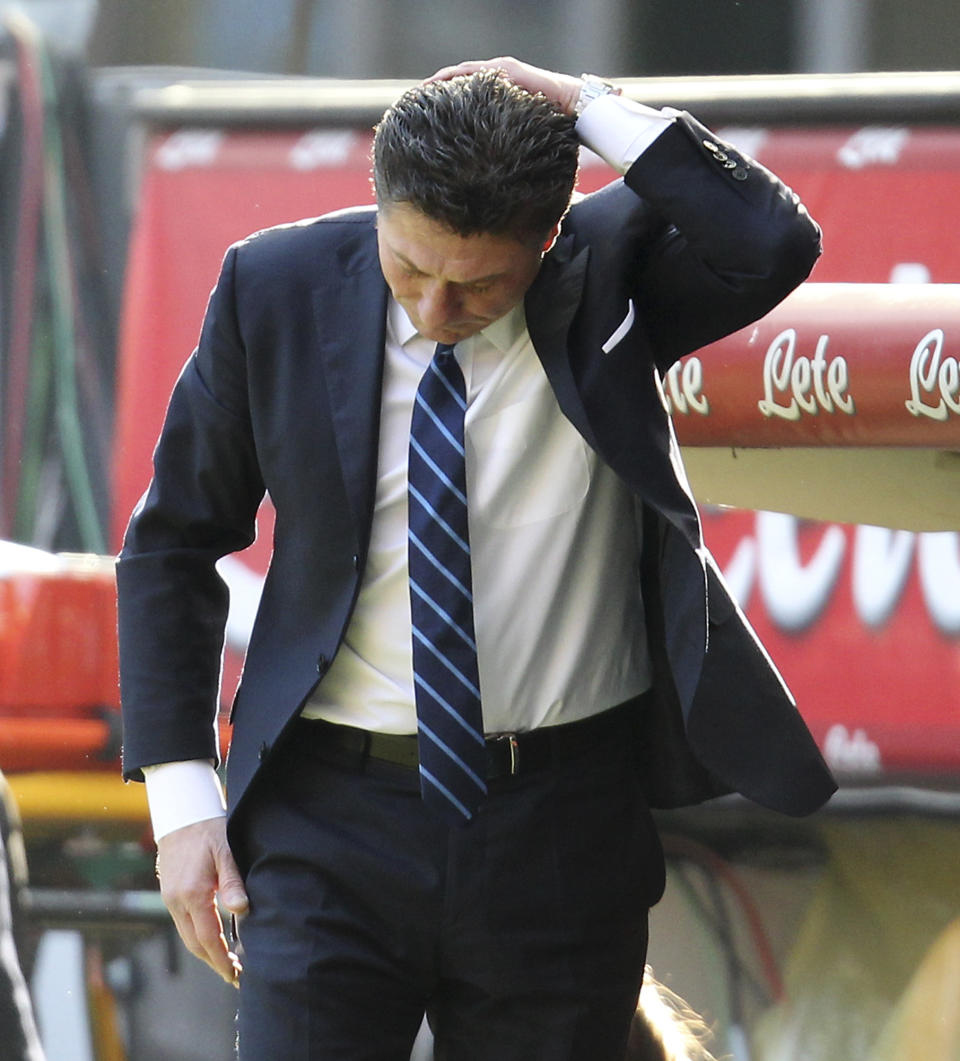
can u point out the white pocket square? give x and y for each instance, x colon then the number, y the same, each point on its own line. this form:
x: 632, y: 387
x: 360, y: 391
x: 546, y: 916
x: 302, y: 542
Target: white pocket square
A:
x: 622, y: 328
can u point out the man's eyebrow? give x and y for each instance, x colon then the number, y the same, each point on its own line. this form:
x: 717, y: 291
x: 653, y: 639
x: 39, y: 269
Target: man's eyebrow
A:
x: 484, y: 279
x: 404, y: 260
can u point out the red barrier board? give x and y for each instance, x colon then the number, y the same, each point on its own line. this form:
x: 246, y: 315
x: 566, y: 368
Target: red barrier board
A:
x: 832, y: 365
x: 865, y: 623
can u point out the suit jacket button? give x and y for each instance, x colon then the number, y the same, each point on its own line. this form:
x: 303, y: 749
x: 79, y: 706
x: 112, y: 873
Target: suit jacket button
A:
x: 321, y: 664
x: 740, y: 173
x: 264, y: 751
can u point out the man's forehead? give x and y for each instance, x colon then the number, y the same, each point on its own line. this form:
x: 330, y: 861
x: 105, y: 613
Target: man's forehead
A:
x: 419, y: 242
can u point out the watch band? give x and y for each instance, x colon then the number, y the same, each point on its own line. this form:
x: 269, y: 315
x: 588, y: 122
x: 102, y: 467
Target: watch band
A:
x: 591, y: 88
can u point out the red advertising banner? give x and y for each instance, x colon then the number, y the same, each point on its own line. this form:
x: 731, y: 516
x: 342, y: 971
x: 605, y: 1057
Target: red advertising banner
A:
x: 863, y: 621
x: 832, y: 365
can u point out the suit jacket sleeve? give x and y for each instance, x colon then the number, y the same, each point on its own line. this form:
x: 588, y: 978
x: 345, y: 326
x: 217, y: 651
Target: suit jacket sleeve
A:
x: 201, y: 504
x: 696, y: 242
x: 734, y: 240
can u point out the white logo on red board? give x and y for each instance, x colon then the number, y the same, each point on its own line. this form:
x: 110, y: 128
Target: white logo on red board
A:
x: 934, y: 379
x: 748, y: 139
x: 684, y: 388
x: 190, y: 147
x: 322, y: 148
x: 794, y: 384
x: 851, y: 753
x: 873, y: 146
x: 797, y: 586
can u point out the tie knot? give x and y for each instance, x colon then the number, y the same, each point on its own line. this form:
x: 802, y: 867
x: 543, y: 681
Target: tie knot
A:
x: 443, y: 352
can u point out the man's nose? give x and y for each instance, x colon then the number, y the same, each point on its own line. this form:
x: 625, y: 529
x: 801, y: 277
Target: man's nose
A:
x: 438, y: 304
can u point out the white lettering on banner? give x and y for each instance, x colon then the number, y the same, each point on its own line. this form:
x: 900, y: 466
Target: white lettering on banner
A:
x: 881, y: 564
x: 740, y: 571
x: 872, y: 146
x: 852, y: 753
x: 685, y: 387
x: 810, y: 384
x: 748, y: 139
x: 933, y: 377
x: 189, y: 147
x: 910, y: 273
x: 939, y: 567
x: 321, y: 148
x: 795, y: 593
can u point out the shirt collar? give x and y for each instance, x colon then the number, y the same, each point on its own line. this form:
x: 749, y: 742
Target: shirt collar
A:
x: 503, y: 333
x: 399, y: 326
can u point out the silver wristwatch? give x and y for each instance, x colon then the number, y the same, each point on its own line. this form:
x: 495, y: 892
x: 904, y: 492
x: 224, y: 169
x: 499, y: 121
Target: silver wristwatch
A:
x: 591, y: 88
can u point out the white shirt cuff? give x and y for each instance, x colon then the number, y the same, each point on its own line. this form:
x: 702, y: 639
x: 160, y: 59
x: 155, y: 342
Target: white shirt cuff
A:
x: 182, y: 793
x: 619, y: 130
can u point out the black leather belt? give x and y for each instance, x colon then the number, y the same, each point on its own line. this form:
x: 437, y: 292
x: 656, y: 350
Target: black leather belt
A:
x: 508, y: 754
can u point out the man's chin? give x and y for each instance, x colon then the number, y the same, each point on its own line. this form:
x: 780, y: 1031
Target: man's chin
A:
x: 452, y: 336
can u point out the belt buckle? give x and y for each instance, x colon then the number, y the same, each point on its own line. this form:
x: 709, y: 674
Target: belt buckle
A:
x: 514, y: 746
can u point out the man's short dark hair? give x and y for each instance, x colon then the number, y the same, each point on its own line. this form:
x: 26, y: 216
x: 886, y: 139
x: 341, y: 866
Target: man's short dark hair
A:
x: 479, y: 155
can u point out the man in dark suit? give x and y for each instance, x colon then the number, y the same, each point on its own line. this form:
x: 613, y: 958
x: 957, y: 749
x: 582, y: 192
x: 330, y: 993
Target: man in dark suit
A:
x: 615, y: 672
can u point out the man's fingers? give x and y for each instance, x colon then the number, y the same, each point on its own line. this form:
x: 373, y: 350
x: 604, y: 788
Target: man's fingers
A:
x: 214, y: 949
x: 232, y: 893
x: 199, y: 925
x: 562, y: 89
x: 462, y: 69
x: 195, y: 865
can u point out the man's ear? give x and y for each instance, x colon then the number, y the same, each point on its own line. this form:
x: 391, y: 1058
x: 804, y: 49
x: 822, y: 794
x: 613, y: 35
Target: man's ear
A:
x: 551, y: 237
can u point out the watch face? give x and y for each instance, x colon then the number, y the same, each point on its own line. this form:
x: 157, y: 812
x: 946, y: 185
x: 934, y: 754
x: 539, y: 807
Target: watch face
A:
x: 591, y: 88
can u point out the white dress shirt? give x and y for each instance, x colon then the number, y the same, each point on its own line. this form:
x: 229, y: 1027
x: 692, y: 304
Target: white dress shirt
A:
x: 559, y: 620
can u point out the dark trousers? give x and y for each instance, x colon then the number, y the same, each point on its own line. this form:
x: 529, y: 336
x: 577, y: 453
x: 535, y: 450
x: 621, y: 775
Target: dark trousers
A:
x: 522, y: 935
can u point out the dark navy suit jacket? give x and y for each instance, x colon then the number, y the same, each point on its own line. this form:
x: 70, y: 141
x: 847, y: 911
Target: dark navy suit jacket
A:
x: 283, y: 395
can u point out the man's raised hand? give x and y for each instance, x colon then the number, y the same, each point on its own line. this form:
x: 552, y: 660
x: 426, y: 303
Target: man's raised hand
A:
x: 562, y: 89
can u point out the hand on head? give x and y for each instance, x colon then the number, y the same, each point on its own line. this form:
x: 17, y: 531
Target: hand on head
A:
x: 562, y: 89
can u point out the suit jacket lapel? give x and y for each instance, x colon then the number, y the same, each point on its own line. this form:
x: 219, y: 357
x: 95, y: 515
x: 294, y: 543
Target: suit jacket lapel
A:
x: 550, y: 305
x: 350, y: 311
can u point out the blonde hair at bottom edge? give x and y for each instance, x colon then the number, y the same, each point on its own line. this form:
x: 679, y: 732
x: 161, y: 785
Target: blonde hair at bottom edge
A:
x: 665, y: 1028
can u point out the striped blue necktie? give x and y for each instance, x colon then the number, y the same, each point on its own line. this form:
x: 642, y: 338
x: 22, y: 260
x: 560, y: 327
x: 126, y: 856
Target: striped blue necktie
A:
x: 447, y: 685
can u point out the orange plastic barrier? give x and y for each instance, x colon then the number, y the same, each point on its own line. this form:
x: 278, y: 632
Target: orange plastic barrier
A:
x: 45, y: 744
x: 59, y: 687
x: 58, y: 634
x: 58, y: 744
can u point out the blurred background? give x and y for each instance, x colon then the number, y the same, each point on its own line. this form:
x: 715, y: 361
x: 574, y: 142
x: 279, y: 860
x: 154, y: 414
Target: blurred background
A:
x: 408, y: 38
x: 138, y: 138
